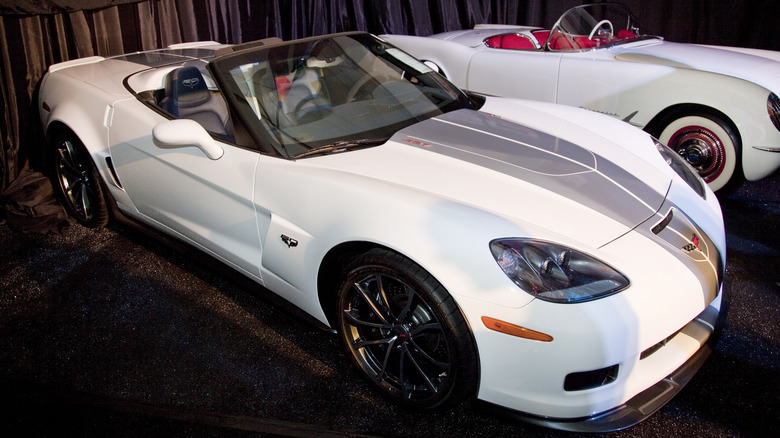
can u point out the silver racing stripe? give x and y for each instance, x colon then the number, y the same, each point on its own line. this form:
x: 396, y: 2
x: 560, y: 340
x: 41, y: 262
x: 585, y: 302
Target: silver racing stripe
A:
x: 682, y: 238
x: 537, y: 158
x: 576, y: 173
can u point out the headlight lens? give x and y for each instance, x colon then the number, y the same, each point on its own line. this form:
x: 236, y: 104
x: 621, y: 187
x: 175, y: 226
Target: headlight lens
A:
x: 682, y: 168
x: 556, y: 273
x: 773, y: 108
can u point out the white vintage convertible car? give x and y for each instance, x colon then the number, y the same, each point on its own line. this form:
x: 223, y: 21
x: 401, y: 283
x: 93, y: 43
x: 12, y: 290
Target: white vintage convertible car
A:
x: 550, y: 261
x: 716, y: 106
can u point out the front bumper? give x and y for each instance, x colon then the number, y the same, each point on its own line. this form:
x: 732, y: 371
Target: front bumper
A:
x: 706, y: 328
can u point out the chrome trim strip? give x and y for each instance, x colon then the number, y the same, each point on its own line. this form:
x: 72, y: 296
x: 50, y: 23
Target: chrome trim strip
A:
x: 767, y: 148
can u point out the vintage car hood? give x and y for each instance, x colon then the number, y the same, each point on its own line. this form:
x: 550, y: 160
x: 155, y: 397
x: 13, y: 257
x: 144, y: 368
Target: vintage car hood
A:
x: 537, y: 180
x: 751, y: 65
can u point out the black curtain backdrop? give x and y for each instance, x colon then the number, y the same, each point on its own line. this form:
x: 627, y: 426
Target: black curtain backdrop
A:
x: 37, y: 33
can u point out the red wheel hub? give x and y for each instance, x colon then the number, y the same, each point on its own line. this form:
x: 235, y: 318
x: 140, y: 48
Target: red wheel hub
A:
x: 702, y: 149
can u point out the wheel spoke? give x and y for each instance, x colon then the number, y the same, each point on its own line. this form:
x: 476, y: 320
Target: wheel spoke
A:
x: 380, y: 286
x: 73, y: 191
x: 380, y: 313
x: 68, y: 159
x: 355, y: 319
x: 425, y: 327
x: 69, y: 172
x: 85, y: 205
x: 380, y: 375
x: 405, y: 386
x: 68, y: 169
x: 418, y: 349
x: 410, y: 295
x: 428, y: 382
x: 363, y: 343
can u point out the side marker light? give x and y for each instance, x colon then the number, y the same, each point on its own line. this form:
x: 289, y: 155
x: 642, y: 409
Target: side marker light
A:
x: 515, y: 330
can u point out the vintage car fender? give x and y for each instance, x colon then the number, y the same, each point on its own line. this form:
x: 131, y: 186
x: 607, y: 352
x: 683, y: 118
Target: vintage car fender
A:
x: 741, y: 101
x: 455, y: 56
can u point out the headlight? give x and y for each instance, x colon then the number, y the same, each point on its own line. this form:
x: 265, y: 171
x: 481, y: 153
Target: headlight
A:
x: 773, y: 108
x: 682, y: 168
x: 553, y: 272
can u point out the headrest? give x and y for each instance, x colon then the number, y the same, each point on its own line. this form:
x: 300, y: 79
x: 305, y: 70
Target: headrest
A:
x: 186, y: 79
x: 325, y: 54
x: 185, y: 88
x: 322, y: 63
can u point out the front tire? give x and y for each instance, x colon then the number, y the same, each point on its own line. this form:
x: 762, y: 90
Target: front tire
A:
x: 708, y: 143
x: 403, y: 330
x: 77, y: 182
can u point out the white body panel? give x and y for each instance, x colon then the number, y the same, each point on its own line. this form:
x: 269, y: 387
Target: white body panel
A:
x: 635, y: 81
x: 437, y: 210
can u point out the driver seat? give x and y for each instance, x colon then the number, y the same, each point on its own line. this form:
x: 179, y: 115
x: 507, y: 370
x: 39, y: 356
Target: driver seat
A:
x: 188, y: 97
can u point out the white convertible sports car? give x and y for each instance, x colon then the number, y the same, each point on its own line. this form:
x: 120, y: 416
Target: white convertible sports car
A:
x: 548, y: 260
x: 716, y: 106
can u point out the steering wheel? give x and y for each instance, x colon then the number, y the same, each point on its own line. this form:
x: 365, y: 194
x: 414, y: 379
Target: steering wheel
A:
x: 311, y: 108
x: 598, y: 25
x: 353, y: 91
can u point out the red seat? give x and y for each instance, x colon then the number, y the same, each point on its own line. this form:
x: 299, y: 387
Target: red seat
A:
x: 510, y: 41
x: 541, y: 36
x: 561, y: 41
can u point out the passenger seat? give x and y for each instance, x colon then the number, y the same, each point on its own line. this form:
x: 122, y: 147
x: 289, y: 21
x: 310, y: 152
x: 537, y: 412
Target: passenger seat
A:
x: 188, y: 97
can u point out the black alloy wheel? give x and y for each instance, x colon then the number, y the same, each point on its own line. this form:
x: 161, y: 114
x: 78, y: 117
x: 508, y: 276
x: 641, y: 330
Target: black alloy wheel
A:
x: 78, y: 182
x: 405, y: 332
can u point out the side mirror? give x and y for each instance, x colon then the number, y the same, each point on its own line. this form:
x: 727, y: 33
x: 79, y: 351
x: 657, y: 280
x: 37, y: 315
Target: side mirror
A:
x: 184, y: 132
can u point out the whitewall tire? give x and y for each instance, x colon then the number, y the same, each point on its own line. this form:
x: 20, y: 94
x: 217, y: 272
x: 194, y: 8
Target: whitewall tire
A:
x: 708, y: 144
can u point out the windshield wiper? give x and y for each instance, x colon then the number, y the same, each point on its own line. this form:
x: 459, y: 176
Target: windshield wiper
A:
x: 341, y: 146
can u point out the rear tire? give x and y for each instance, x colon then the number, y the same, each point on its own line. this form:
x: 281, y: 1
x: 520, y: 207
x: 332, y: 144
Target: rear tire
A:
x: 77, y: 182
x: 403, y: 330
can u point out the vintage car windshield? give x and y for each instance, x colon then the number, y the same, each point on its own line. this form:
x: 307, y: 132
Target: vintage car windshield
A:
x: 593, y: 26
x: 330, y: 93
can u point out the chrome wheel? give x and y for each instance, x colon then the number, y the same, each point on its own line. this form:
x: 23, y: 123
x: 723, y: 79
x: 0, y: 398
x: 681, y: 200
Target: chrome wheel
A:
x: 707, y: 144
x: 414, y: 348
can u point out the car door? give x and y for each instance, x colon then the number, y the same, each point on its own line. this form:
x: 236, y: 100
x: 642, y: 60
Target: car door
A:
x: 524, y: 74
x: 631, y: 91
x: 591, y: 81
x: 205, y: 201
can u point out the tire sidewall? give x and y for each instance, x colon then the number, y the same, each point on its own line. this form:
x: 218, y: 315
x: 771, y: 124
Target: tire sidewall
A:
x: 728, y: 140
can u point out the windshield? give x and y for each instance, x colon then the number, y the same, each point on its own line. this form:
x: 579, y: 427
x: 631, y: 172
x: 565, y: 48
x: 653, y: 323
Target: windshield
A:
x: 593, y: 26
x: 348, y: 89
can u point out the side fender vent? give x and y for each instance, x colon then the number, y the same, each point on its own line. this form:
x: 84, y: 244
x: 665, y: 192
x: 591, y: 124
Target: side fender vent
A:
x: 664, y: 222
x: 114, y: 177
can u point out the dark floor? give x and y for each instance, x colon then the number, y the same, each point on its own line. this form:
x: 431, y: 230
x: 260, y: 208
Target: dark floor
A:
x: 108, y: 333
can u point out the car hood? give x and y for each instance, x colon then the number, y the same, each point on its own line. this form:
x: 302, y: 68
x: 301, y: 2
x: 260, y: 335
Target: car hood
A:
x: 535, y: 179
x: 759, y: 66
